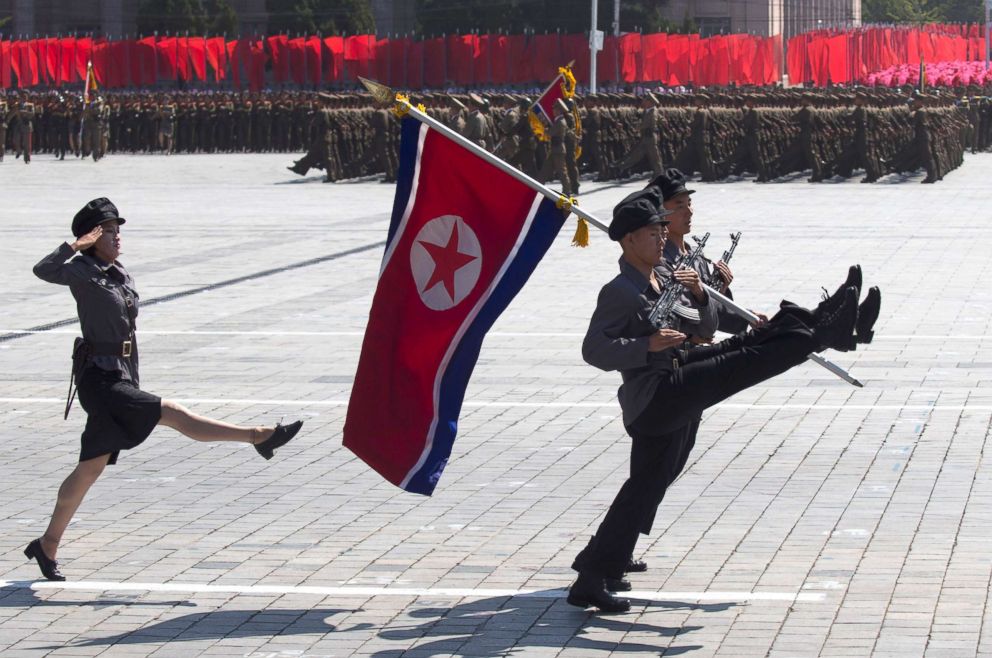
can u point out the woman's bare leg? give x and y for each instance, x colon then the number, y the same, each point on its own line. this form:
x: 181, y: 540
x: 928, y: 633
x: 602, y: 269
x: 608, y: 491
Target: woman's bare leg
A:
x: 201, y: 428
x: 71, y: 495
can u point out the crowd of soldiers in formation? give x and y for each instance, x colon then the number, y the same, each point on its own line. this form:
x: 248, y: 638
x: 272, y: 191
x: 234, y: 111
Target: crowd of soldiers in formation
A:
x: 769, y: 133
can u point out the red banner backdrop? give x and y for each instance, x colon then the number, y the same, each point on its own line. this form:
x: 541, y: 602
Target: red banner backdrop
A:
x: 828, y: 57
x: 5, y: 47
x: 820, y: 57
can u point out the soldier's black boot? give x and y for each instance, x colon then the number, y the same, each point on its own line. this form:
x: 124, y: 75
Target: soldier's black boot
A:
x: 635, y: 566
x: 589, y: 591
x: 832, y: 302
x: 867, y: 315
x: 617, y: 584
x: 836, y: 330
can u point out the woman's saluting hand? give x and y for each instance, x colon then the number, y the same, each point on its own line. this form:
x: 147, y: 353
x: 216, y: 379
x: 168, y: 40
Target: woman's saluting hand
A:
x: 88, y: 240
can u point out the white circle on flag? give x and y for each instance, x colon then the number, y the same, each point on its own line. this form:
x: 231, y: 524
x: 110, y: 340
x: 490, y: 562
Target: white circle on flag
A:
x: 446, y: 259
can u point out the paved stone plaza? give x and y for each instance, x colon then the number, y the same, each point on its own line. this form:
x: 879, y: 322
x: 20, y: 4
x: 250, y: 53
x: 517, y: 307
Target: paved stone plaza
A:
x: 813, y: 518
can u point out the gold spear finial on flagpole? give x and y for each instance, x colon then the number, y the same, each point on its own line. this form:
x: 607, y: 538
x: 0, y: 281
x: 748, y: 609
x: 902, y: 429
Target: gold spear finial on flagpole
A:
x: 381, y: 94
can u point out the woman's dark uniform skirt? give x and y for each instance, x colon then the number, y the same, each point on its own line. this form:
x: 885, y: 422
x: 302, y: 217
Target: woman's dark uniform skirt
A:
x: 120, y: 415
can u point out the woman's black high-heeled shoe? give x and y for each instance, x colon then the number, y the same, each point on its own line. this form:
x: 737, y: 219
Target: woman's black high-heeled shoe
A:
x: 49, y: 567
x: 279, y: 438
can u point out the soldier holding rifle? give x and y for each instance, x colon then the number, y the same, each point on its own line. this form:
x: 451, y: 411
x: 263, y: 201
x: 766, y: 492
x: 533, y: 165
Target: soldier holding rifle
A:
x: 666, y: 385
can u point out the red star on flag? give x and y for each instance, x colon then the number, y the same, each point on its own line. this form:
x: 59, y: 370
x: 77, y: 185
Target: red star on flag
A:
x: 447, y: 261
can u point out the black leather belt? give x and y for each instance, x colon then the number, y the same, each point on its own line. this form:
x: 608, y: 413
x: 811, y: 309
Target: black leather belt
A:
x: 121, y: 349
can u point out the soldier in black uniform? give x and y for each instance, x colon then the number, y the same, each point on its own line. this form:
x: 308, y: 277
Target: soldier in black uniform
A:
x: 667, y: 385
x: 120, y: 415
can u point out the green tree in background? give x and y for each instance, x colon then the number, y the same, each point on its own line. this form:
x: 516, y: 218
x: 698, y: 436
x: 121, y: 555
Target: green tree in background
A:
x: 193, y: 16
x: 220, y: 17
x: 173, y: 16
x: 963, y: 11
x: 324, y: 16
x: 922, y: 11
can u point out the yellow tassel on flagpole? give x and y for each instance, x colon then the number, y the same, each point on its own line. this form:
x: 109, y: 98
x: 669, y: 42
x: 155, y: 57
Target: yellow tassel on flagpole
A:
x: 537, y: 127
x: 581, y: 237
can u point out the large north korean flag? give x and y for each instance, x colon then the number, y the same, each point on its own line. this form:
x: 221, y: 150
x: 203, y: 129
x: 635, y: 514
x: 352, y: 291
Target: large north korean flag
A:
x: 463, y: 240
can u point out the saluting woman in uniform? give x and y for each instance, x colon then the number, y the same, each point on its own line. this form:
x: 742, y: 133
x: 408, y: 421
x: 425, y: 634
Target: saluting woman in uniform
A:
x: 120, y: 415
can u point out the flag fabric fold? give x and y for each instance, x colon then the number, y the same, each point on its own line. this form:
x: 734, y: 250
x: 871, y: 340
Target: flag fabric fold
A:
x: 463, y: 240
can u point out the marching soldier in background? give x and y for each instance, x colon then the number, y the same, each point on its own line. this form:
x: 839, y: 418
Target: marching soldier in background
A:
x: 318, y: 155
x: 24, y: 133
x: 103, y: 128
x: 572, y: 145
x: 555, y: 166
x: 509, y: 143
x: 456, y: 115
x: 476, y: 128
x: 166, y: 127
x: 526, y: 159
x: 647, y: 145
x: 91, y: 132
x: 4, y: 120
x: 382, y: 148
x: 59, y: 129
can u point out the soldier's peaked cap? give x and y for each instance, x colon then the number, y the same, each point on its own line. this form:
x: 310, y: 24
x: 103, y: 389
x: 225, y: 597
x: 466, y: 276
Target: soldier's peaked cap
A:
x: 640, y: 209
x: 670, y: 184
x: 93, y: 214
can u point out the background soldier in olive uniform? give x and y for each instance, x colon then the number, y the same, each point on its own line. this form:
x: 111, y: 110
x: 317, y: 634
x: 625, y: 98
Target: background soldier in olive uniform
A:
x: 4, y: 120
x: 476, y: 128
x: 572, y: 145
x: 382, y: 150
x: 25, y: 130
x: 509, y: 142
x: 647, y: 146
x: 555, y: 164
x: 166, y: 127
x: 526, y: 158
x: 318, y: 154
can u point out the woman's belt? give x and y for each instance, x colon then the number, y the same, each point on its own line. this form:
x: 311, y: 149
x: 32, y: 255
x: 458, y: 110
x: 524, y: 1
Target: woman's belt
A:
x: 119, y: 348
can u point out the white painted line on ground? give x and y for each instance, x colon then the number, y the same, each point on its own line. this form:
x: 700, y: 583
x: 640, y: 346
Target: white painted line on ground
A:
x: 508, y: 334
x: 439, y: 592
x: 560, y: 405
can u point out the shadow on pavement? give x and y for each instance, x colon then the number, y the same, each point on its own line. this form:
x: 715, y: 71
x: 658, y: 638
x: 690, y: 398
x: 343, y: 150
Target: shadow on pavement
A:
x: 228, y: 624
x: 488, y: 627
x: 20, y: 595
x: 497, y: 626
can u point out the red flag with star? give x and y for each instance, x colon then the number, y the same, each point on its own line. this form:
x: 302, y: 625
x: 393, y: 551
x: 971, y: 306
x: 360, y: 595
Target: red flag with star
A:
x: 463, y: 240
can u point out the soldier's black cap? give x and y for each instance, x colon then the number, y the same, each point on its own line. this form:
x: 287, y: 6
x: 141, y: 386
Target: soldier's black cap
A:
x: 640, y: 209
x: 670, y: 184
x: 93, y: 214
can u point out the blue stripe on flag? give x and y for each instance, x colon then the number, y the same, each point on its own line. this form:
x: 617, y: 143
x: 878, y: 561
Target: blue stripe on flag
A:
x: 409, y: 141
x: 547, y: 222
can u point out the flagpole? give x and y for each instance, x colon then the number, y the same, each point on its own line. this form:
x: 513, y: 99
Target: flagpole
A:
x: 988, y: 12
x: 404, y: 105
x: 385, y: 95
x: 592, y: 48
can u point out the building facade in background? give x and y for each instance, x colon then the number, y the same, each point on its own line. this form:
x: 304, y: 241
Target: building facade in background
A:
x: 764, y: 17
x: 111, y: 18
